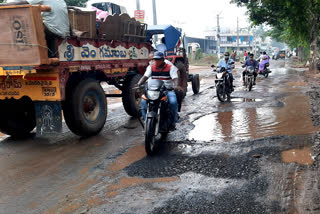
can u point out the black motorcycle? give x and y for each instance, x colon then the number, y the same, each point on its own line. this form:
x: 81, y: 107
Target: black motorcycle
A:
x: 159, y: 118
x: 249, y: 77
x: 223, y: 84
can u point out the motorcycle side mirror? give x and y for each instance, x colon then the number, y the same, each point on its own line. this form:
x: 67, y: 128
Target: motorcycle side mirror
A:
x: 212, y: 66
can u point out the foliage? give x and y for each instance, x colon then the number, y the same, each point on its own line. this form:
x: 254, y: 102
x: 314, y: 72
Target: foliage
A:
x: 78, y: 3
x: 1, y: 1
x: 199, y: 54
x: 293, y: 21
x: 282, y: 33
x: 290, y: 17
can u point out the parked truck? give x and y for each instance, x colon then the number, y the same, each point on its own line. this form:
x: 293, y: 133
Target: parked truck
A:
x: 39, y: 92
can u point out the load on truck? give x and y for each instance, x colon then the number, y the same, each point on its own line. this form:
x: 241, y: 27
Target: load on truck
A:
x: 38, y: 91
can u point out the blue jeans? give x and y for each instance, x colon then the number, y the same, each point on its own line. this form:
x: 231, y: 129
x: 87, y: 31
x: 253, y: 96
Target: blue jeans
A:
x: 173, y: 105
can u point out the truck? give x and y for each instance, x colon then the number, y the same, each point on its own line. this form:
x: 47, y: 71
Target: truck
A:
x: 40, y: 92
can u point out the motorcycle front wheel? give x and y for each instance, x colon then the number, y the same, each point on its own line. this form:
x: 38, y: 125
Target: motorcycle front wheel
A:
x: 250, y: 84
x: 150, y: 138
x: 222, y: 95
x: 266, y: 74
x: 245, y: 81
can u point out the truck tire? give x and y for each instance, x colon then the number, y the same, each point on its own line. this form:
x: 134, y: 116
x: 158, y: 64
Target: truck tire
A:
x: 85, y: 112
x: 18, y: 117
x: 183, y: 82
x: 131, y: 99
x: 196, y: 84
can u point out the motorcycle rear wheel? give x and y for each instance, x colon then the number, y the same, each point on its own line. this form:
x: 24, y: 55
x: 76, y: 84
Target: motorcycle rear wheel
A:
x: 150, y: 138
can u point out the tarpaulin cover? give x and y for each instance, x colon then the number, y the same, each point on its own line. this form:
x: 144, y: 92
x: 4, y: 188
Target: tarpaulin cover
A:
x: 171, y: 34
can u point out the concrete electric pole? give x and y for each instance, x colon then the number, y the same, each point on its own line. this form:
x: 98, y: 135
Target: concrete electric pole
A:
x: 237, y: 34
x: 218, y: 36
x: 155, y: 17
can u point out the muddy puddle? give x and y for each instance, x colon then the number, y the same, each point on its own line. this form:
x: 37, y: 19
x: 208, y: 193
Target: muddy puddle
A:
x: 133, y: 155
x: 254, y: 123
x: 299, y: 156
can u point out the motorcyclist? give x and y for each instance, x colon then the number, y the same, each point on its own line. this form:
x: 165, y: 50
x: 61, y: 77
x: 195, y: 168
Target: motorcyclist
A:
x: 228, y: 64
x: 251, y: 62
x: 167, y: 72
x: 265, y: 60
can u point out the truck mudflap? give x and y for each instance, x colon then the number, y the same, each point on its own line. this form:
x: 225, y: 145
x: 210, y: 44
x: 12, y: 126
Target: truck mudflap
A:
x: 48, y: 118
x: 38, y: 86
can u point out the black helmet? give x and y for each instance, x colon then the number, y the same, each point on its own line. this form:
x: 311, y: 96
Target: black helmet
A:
x: 227, y: 53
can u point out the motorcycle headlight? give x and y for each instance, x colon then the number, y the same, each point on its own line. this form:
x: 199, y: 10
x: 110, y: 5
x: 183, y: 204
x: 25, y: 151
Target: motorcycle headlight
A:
x: 219, y: 75
x: 153, y: 95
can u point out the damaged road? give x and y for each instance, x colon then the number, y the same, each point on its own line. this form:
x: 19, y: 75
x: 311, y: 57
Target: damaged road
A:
x: 257, y: 154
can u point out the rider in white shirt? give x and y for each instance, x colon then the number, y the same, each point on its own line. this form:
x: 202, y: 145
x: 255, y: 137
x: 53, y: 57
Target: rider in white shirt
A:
x: 162, y: 47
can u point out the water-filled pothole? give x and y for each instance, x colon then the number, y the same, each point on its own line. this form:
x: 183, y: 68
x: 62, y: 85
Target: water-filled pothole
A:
x: 254, y: 123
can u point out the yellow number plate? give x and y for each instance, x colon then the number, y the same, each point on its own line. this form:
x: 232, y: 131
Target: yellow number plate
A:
x: 39, y: 87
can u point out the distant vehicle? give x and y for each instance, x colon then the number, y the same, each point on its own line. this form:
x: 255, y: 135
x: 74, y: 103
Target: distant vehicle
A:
x: 275, y: 56
x: 110, y: 6
x: 282, y: 54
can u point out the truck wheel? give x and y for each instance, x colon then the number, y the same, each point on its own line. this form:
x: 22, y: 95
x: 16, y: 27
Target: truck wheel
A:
x: 18, y: 117
x: 86, y: 111
x: 182, y: 77
x: 196, y: 84
x: 131, y: 99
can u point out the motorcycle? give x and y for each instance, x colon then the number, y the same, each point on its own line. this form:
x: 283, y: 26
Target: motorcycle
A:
x: 249, y: 78
x: 159, y: 117
x: 223, y: 86
x: 266, y: 71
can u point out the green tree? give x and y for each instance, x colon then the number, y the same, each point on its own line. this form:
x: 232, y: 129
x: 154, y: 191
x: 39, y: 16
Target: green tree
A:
x: 1, y: 1
x: 77, y: 3
x: 198, y: 54
x: 295, y: 21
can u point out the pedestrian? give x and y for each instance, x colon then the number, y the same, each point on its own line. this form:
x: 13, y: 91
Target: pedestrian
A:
x: 245, y: 55
x: 233, y: 56
x: 248, y: 55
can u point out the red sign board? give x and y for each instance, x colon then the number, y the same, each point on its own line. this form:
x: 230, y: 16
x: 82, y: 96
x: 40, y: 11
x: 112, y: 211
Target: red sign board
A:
x: 139, y: 15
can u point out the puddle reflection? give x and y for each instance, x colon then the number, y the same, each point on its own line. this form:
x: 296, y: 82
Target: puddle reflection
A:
x: 254, y: 123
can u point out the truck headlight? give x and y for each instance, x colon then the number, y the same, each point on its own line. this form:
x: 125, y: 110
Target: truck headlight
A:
x: 153, y: 95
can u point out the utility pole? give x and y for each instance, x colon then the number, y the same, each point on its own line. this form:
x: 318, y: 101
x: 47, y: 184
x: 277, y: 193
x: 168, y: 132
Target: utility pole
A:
x: 155, y: 17
x: 138, y: 4
x: 237, y: 34
x: 218, y: 36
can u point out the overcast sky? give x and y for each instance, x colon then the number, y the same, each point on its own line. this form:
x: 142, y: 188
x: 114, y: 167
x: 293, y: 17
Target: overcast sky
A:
x: 195, y: 17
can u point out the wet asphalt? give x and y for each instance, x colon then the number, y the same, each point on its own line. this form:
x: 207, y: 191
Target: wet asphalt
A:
x: 257, y: 154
